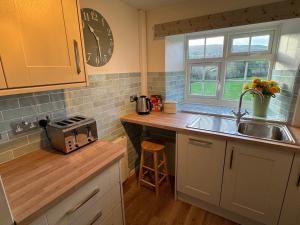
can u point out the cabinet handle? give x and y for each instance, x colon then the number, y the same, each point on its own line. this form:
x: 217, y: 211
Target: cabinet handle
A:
x: 200, y: 142
x: 79, y: 205
x: 231, y: 158
x: 298, y: 182
x: 98, y: 215
x: 77, y: 57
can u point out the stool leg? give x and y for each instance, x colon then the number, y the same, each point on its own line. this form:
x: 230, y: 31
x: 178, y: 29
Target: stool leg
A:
x: 141, y: 167
x: 166, y: 167
x: 156, y: 173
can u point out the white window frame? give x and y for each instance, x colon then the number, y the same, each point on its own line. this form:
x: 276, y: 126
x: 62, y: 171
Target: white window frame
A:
x: 227, y: 57
x: 250, y: 35
x: 217, y: 80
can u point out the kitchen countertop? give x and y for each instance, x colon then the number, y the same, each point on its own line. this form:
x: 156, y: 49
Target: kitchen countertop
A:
x: 39, y: 180
x: 177, y: 122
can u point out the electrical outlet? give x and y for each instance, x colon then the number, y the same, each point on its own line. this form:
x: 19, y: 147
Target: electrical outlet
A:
x: 133, y: 98
x: 24, y: 126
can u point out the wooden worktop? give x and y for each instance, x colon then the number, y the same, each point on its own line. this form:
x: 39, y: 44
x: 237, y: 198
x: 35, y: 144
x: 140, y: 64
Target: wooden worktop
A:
x: 37, y: 181
x: 178, y: 121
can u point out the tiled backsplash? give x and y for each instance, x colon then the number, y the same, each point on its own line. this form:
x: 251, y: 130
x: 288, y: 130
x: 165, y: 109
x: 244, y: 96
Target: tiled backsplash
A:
x: 170, y: 85
x: 106, y: 99
x: 284, y: 103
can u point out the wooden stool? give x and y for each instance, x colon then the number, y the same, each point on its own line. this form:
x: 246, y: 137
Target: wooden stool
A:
x: 153, y: 147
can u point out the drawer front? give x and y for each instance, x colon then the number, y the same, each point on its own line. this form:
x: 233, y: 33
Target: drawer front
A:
x: 92, y: 195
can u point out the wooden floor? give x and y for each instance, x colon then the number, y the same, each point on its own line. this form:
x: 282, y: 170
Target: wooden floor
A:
x: 142, y: 208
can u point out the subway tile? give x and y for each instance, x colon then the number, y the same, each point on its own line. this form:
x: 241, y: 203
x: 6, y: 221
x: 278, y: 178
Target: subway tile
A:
x: 7, y: 104
x: 6, y: 156
x: 19, y: 113
x: 12, y: 144
x: 50, y: 107
x: 54, y: 97
x: 34, y: 100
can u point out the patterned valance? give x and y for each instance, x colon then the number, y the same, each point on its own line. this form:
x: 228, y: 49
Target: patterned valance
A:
x: 251, y: 15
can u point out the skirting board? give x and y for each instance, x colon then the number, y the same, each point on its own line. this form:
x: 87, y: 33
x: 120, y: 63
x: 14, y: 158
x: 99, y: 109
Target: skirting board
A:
x: 216, y: 210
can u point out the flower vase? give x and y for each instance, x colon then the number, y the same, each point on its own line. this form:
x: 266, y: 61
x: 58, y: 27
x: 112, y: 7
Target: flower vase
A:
x: 260, y: 109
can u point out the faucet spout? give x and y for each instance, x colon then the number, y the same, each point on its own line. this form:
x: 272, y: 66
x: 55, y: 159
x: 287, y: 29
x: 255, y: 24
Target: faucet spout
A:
x: 239, y: 114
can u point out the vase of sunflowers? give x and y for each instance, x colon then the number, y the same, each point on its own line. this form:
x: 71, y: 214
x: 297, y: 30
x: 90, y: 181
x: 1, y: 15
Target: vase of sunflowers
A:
x: 268, y: 88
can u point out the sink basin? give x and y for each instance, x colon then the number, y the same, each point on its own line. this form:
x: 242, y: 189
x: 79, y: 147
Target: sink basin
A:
x: 269, y: 131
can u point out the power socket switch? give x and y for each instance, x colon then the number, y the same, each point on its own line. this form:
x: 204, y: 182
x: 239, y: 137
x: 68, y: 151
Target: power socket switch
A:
x: 24, y: 126
x: 133, y: 98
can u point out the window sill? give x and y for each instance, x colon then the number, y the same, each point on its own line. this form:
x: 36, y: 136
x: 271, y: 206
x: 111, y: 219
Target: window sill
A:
x: 226, y: 111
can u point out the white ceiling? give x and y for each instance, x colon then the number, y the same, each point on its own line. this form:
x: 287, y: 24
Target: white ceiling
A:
x: 151, y: 4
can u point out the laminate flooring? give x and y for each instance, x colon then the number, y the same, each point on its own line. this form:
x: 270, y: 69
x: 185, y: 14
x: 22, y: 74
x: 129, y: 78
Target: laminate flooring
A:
x: 142, y: 208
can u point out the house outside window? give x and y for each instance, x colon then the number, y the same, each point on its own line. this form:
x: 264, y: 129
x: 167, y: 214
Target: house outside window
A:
x: 218, y: 65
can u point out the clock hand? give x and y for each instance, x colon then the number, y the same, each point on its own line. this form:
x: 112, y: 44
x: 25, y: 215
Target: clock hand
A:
x: 97, y: 39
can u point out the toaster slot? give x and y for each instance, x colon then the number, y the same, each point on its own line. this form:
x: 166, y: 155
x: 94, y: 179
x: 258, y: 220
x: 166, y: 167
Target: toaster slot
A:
x: 67, y: 121
x: 61, y: 124
x: 79, y: 118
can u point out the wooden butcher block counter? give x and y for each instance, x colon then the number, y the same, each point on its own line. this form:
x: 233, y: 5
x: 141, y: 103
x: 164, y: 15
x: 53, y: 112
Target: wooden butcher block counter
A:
x: 36, y: 182
x: 177, y: 122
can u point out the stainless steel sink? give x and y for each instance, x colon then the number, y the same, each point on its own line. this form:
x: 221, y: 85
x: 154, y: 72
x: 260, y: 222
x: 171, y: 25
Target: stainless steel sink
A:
x: 249, y: 128
x: 264, y: 130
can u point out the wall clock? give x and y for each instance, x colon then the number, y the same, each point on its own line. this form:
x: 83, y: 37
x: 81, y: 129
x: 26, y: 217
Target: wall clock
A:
x: 98, y: 38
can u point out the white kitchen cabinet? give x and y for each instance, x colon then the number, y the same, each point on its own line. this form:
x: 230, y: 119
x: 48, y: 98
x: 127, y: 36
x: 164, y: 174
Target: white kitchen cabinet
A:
x: 255, y: 180
x: 91, y: 203
x: 200, y: 167
x: 290, y: 214
x: 40, y: 43
x: 98, y: 202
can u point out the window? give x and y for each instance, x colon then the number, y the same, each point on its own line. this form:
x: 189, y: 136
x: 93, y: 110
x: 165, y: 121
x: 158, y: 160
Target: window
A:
x: 240, y: 72
x: 219, y: 66
x: 203, y: 80
x: 251, y: 44
x: 206, y: 48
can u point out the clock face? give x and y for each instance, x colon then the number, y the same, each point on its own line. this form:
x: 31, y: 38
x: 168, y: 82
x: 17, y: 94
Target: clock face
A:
x: 98, y: 38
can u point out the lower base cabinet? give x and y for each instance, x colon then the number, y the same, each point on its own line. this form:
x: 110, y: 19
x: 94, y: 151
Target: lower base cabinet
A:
x: 98, y: 202
x: 200, y: 167
x: 290, y: 214
x: 238, y: 180
x: 255, y: 180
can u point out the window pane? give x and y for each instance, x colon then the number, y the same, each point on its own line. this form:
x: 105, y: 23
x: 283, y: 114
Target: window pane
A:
x: 260, y: 43
x: 240, y: 45
x: 196, y: 48
x: 257, y: 68
x: 233, y: 89
x: 210, y: 83
x: 214, y: 47
x: 235, y: 70
x: 203, y: 80
x: 235, y: 76
x: 196, y: 78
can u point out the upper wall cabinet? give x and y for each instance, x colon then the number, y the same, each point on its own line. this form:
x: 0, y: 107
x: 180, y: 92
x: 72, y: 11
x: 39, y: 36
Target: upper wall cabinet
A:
x: 40, y: 43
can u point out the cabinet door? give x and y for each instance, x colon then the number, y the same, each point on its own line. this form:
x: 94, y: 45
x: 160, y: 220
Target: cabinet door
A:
x: 255, y: 179
x: 40, y: 42
x: 200, y: 167
x: 290, y: 214
x: 2, y: 77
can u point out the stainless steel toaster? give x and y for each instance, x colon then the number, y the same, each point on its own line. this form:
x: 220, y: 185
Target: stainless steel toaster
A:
x: 72, y: 133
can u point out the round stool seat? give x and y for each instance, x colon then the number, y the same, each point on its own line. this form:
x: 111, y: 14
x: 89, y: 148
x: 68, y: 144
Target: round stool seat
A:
x: 152, y: 145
